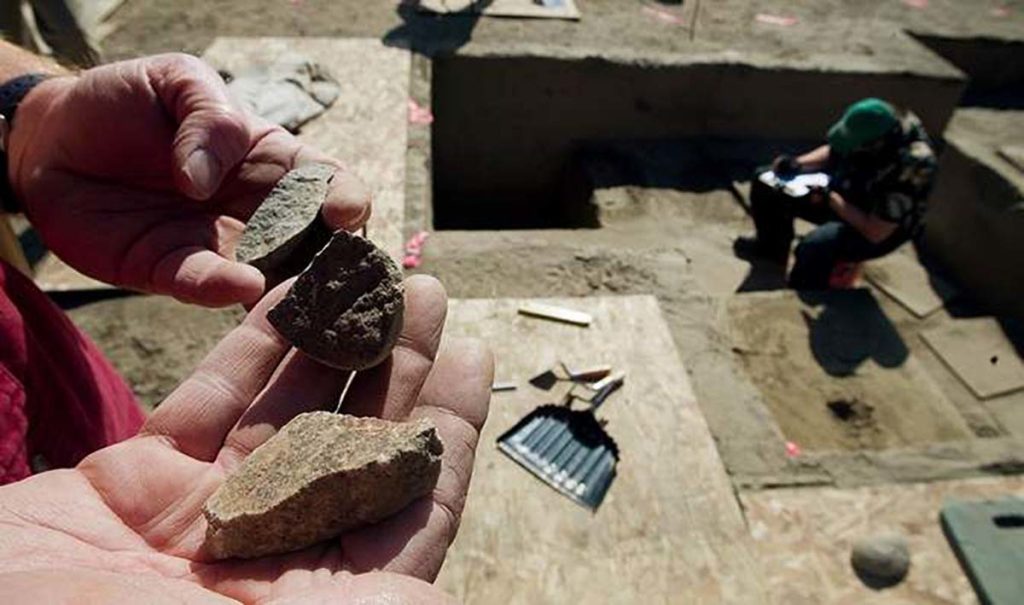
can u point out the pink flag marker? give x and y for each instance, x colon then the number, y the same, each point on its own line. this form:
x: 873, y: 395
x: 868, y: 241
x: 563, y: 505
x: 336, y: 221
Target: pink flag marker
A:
x: 418, y: 115
x: 414, y: 250
x: 411, y: 261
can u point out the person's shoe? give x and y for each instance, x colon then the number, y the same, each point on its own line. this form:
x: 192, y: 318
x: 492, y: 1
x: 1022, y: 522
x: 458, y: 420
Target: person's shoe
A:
x: 750, y: 248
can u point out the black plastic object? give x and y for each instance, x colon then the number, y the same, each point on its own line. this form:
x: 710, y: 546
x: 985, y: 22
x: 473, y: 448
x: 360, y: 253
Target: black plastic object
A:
x: 545, y: 380
x: 988, y: 539
x: 567, y: 449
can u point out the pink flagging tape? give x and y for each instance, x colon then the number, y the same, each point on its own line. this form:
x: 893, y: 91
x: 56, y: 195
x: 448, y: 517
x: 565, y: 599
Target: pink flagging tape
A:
x: 418, y: 115
x: 415, y: 243
x: 414, y: 250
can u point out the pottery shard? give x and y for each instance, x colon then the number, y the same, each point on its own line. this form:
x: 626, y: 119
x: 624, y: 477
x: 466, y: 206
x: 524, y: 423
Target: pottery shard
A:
x: 345, y: 310
x: 320, y: 475
x: 286, y: 231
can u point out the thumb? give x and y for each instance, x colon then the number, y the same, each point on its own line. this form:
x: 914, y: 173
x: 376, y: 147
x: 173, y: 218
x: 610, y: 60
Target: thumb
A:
x: 212, y: 135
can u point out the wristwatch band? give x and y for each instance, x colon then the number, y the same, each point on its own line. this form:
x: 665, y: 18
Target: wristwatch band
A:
x: 11, y: 94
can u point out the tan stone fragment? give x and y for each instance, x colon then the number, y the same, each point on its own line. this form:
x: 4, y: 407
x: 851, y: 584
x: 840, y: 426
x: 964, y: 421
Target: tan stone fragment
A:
x: 320, y: 475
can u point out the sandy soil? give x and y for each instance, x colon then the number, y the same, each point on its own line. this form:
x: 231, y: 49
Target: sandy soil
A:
x: 836, y: 373
x: 853, y: 27
x: 674, y: 243
x: 683, y: 257
x: 133, y: 333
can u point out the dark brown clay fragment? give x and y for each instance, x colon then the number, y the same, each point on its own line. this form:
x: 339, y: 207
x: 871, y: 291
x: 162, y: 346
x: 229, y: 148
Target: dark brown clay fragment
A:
x: 286, y: 231
x: 345, y: 310
x: 320, y: 475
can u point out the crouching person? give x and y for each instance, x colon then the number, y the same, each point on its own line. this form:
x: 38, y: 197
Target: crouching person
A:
x: 866, y: 189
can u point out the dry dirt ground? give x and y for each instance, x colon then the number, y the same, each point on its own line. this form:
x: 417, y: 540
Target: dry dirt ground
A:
x: 768, y: 366
x: 672, y: 242
x: 833, y: 27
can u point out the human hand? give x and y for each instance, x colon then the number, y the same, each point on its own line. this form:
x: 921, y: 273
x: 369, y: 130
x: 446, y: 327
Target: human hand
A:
x: 785, y: 164
x: 142, y: 174
x: 127, y: 522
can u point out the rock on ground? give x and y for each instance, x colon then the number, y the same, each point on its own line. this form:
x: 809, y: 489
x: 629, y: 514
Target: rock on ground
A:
x: 321, y: 475
x: 346, y: 309
x: 882, y: 559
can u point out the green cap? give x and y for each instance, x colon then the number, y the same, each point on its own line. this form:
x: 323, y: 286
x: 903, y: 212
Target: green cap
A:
x: 865, y: 121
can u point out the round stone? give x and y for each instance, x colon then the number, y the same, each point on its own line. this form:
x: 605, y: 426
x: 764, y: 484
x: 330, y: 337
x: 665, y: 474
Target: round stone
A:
x: 882, y: 559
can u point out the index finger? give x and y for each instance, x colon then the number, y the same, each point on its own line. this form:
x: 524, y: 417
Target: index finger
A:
x: 197, y: 416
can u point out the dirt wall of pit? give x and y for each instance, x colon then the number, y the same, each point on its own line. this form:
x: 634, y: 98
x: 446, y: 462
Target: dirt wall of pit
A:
x: 993, y: 64
x: 975, y: 226
x: 506, y: 125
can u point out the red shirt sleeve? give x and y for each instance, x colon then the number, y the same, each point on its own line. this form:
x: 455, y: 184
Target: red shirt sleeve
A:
x: 60, y: 399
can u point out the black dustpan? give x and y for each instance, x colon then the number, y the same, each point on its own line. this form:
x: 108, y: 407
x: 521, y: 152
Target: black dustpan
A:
x: 567, y: 449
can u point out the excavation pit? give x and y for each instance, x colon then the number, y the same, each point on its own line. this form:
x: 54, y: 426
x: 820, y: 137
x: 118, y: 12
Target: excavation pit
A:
x: 508, y: 127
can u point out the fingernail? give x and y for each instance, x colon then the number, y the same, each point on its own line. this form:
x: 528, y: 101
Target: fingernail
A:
x: 255, y: 277
x: 203, y: 169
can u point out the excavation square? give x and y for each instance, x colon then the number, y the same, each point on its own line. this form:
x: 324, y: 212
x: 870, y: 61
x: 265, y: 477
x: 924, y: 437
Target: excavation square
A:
x: 836, y: 374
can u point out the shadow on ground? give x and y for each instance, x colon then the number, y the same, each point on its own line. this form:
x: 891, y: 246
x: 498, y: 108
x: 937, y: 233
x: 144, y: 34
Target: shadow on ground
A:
x: 764, y: 276
x: 850, y: 330
x: 429, y: 34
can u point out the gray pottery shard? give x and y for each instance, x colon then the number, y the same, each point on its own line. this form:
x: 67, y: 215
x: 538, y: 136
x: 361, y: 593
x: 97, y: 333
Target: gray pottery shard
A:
x: 345, y: 309
x: 286, y: 231
x: 320, y: 475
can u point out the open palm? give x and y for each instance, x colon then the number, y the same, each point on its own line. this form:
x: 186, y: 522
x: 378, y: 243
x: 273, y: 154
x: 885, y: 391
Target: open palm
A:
x: 143, y: 173
x: 127, y: 522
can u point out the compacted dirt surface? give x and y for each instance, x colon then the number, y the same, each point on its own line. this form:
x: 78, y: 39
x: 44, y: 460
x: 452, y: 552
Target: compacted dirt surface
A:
x: 854, y: 27
x: 673, y: 242
x: 832, y: 389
